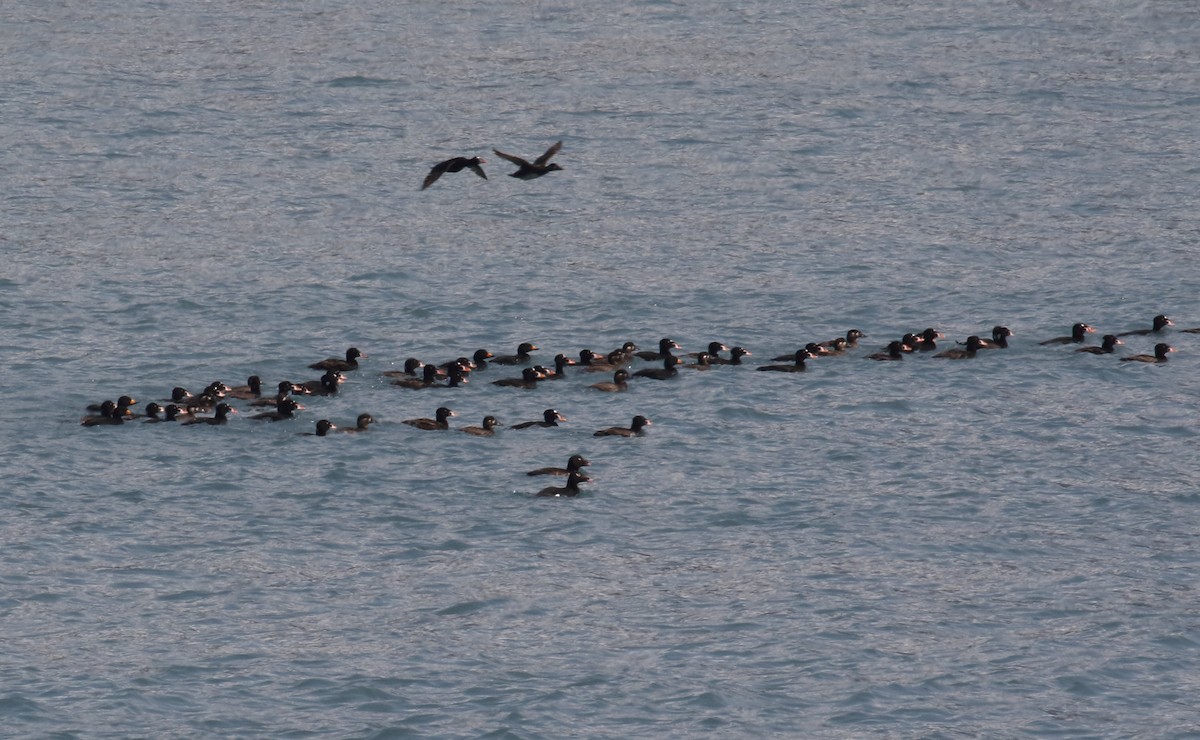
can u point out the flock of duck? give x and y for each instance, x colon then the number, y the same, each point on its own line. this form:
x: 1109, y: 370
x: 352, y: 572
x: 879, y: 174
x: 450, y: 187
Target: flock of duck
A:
x: 526, y: 170
x: 215, y: 404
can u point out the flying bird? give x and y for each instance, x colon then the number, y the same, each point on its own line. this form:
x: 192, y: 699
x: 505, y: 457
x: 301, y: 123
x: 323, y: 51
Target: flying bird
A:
x: 529, y: 171
x: 457, y: 164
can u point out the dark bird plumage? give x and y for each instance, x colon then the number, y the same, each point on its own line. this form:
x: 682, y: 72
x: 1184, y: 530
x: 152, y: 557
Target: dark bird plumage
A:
x: 1160, y: 354
x: 529, y: 170
x: 637, y: 427
x: 550, y: 418
x: 336, y: 363
x: 568, y: 491
x: 455, y: 164
x: 441, y: 421
x: 574, y: 463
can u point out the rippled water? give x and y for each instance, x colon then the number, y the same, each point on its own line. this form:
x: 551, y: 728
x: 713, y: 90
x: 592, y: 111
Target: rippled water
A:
x: 1000, y: 547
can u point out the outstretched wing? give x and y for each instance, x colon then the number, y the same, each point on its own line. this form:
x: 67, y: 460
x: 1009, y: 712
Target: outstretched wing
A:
x: 435, y: 172
x: 478, y: 170
x: 515, y: 160
x: 542, y: 160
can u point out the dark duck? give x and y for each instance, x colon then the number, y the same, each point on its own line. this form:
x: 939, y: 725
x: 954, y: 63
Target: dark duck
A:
x: 735, y: 357
x: 665, y: 345
x: 574, y: 463
x: 550, y: 418
x: 1159, y: 323
x: 1160, y: 354
x: 487, y: 428
x: 530, y: 170
x: 522, y: 357
x: 455, y: 164
x: 360, y: 424
x: 568, y: 491
x: 350, y: 362
x: 661, y: 373
x: 636, y: 428
x: 968, y: 351
x: 797, y: 365
x: 894, y: 351
x: 1079, y: 332
x: 1108, y: 345
x: 441, y: 420
x: 620, y: 382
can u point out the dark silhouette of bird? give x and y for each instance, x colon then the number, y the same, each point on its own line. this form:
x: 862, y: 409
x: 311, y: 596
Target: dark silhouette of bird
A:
x: 456, y: 164
x: 531, y: 170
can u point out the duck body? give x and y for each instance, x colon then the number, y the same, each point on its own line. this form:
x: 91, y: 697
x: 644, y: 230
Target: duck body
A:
x: 550, y: 418
x: 568, y: 491
x: 454, y: 164
x: 222, y: 412
x: 1108, y: 345
x: 324, y: 427
x: 1161, y: 350
x: 248, y: 392
x: 487, y: 429
x: 441, y: 420
x: 894, y: 351
x: 574, y: 463
x: 665, y: 345
x: 797, y: 365
x: 636, y: 428
x: 735, y: 357
x: 350, y: 362
x: 1159, y: 323
x: 851, y: 339
x: 972, y: 346
x: 999, y: 340
x: 528, y: 380
x: 429, y: 377
x: 522, y: 357
x: 411, y: 366
x: 285, y: 409
x: 666, y: 372
x: 620, y: 382
x: 360, y: 424
x: 531, y: 170
x: 1079, y: 332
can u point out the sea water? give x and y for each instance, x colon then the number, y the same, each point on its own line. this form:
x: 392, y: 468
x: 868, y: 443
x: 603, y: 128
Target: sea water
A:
x: 996, y: 547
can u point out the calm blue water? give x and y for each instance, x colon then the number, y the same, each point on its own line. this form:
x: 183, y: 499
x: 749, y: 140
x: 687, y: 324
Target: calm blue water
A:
x: 997, y: 548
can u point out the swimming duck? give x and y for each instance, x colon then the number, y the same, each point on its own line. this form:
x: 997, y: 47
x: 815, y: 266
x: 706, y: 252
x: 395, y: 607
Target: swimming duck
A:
x: 550, y: 418
x: 520, y: 358
x: 735, y: 357
x: 574, y: 463
x: 665, y: 372
x: 797, y: 366
x: 486, y: 430
x: 1078, y: 333
x: 529, y: 379
x: 1108, y: 345
x: 620, y: 382
x: 894, y: 351
x: 1160, y: 322
x: 568, y: 491
x: 285, y: 409
x: 222, y: 411
x: 342, y: 365
x: 636, y: 428
x: 1160, y: 354
x: 360, y: 424
x: 972, y: 346
x: 665, y: 345
x: 443, y: 415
